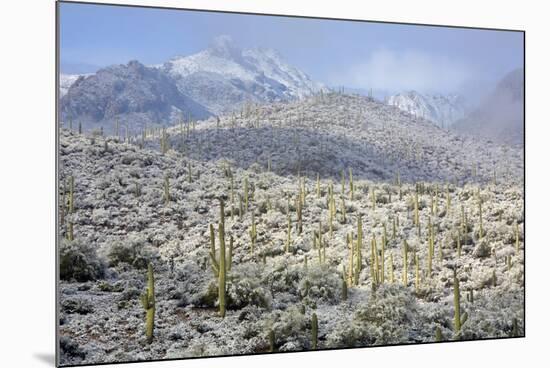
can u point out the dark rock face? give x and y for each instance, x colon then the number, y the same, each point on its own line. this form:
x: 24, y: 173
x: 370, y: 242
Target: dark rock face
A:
x: 135, y: 94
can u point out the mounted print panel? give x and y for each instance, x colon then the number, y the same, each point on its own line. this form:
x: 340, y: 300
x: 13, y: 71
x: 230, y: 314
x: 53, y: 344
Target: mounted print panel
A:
x: 235, y: 184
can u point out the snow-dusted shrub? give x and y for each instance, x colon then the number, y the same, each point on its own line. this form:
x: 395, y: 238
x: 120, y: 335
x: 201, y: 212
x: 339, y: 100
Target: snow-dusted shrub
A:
x: 208, y: 297
x: 70, y: 351
x: 101, y: 216
x: 493, y: 312
x: 77, y: 306
x: 79, y: 261
x: 345, y: 334
x: 387, y: 316
x: 244, y: 287
x: 291, y: 329
x: 321, y: 284
x: 133, y: 251
x: 282, y: 278
x: 482, y: 249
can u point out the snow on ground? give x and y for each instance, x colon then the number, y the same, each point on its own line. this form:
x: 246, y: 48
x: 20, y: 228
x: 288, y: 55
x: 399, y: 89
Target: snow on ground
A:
x: 121, y: 220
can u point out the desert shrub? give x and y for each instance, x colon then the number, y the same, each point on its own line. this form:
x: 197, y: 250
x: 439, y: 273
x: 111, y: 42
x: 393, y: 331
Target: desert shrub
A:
x: 244, y: 288
x: 70, y: 349
x: 79, y: 261
x: 321, y: 284
x: 345, y: 334
x: 290, y: 327
x: 208, y: 297
x: 77, y: 306
x: 386, y: 317
x: 108, y: 287
x: 493, y: 312
x: 133, y: 251
x: 282, y: 278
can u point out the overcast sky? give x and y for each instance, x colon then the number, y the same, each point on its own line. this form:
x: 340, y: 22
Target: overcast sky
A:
x: 365, y: 55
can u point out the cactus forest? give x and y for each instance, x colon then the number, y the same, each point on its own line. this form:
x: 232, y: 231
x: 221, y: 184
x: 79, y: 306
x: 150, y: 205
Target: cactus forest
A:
x: 328, y: 222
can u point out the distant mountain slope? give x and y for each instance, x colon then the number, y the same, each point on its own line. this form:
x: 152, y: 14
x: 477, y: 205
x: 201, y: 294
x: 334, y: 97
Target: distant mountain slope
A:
x: 66, y: 81
x: 224, y: 77
x: 440, y: 109
x: 134, y: 94
x: 330, y: 133
x: 218, y: 80
x: 500, y: 116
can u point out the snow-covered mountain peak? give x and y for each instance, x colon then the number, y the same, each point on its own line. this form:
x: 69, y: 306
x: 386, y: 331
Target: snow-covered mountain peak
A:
x: 224, y: 77
x: 441, y: 109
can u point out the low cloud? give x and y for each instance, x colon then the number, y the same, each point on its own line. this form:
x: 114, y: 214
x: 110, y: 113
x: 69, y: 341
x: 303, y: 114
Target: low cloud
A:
x: 396, y: 71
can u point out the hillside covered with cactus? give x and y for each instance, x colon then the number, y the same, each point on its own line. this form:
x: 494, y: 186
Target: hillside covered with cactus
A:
x: 326, y: 222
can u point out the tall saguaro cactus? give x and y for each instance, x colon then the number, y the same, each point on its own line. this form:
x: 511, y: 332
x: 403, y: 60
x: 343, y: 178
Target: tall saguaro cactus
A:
x: 166, y: 190
x: 148, y: 302
x: 220, y: 266
x: 405, y: 263
x: 480, y: 219
x: 350, y: 184
x: 416, y: 218
x: 359, y: 258
x: 71, y: 194
x: 459, y: 319
x: 253, y: 234
x: 314, y: 331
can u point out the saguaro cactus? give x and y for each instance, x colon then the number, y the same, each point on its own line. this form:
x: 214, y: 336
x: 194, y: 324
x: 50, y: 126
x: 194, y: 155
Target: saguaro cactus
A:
x: 253, y: 234
x: 221, y: 267
x: 166, y: 190
x: 314, y: 331
x: 148, y: 302
x: 350, y: 184
x: 431, y: 247
x: 517, y: 237
x: 70, y: 233
x: 480, y: 219
x: 448, y: 200
x: 271, y: 338
x: 438, y: 335
x: 245, y: 194
x: 417, y: 274
x: 349, y: 242
x: 343, y: 210
x: 344, y: 286
x: 299, y: 214
x: 459, y: 319
x: 71, y: 194
x: 416, y: 218
x: 383, y: 257
x: 359, y: 258
x: 318, y: 187
x: 392, y: 275
x: 289, y: 228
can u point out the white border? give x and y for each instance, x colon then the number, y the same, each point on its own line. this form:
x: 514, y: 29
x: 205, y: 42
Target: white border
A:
x: 27, y: 183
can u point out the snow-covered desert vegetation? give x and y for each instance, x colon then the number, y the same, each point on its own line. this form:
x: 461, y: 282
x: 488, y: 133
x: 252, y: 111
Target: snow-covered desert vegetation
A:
x: 329, y: 221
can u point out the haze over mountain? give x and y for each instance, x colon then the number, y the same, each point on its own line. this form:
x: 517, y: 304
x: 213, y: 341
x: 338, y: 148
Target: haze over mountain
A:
x: 500, y: 116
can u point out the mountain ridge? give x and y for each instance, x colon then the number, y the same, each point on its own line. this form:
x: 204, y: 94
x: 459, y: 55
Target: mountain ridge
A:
x: 218, y: 80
